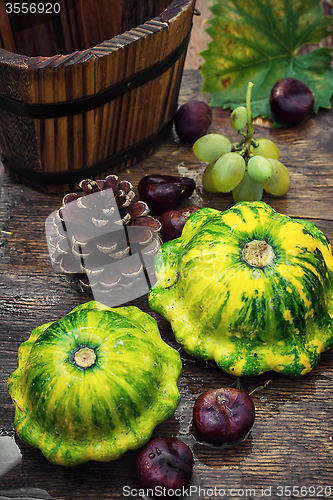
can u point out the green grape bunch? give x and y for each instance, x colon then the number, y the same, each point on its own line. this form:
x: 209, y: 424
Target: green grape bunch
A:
x: 245, y: 168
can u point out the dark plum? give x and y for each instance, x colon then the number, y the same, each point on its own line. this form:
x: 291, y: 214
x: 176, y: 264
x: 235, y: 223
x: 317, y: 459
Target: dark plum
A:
x: 164, y: 465
x: 223, y: 415
x: 173, y: 222
x: 291, y: 101
x: 164, y: 192
x: 192, y: 120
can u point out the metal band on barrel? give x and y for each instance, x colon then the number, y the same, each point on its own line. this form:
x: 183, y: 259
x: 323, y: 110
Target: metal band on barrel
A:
x: 73, y: 176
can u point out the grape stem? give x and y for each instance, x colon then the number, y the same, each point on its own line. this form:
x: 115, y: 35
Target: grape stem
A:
x: 250, y: 129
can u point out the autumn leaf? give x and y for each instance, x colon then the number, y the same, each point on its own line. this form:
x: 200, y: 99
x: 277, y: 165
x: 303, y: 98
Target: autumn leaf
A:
x: 259, y: 41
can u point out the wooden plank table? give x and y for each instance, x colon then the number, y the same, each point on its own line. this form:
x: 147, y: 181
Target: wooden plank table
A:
x: 289, y: 450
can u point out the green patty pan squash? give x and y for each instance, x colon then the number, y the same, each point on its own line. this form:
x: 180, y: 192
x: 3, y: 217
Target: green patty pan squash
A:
x: 249, y: 288
x: 93, y: 384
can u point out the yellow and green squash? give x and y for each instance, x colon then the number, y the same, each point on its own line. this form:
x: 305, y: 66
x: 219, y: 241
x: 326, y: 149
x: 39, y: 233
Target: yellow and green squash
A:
x: 93, y: 384
x: 249, y: 288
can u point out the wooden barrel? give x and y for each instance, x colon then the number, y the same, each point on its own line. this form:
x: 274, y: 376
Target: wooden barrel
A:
x: 68, y: 112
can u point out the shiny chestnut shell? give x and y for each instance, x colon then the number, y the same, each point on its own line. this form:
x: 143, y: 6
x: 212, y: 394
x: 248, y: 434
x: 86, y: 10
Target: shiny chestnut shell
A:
x: 173, y: 222
x: 164, y: 192
x: 164, y: 465
x: 192, y: 120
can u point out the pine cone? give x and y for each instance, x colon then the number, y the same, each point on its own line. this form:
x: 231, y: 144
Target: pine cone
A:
x: 103, y: 237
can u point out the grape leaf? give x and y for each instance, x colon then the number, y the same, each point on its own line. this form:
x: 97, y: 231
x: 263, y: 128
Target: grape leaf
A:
x: 259, y: 41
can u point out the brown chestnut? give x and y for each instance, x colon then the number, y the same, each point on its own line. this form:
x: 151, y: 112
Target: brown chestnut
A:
x: 173, y: 222
x: 164, y: 466
x: 192, y: 120
x: 164, y: 192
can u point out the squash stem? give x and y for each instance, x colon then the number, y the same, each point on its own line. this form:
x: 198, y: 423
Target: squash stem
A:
x: 258, y: 253
x: 84, y: 357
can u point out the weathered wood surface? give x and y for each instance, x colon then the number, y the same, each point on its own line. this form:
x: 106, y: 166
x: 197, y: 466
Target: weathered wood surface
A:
x: 291, y: 443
